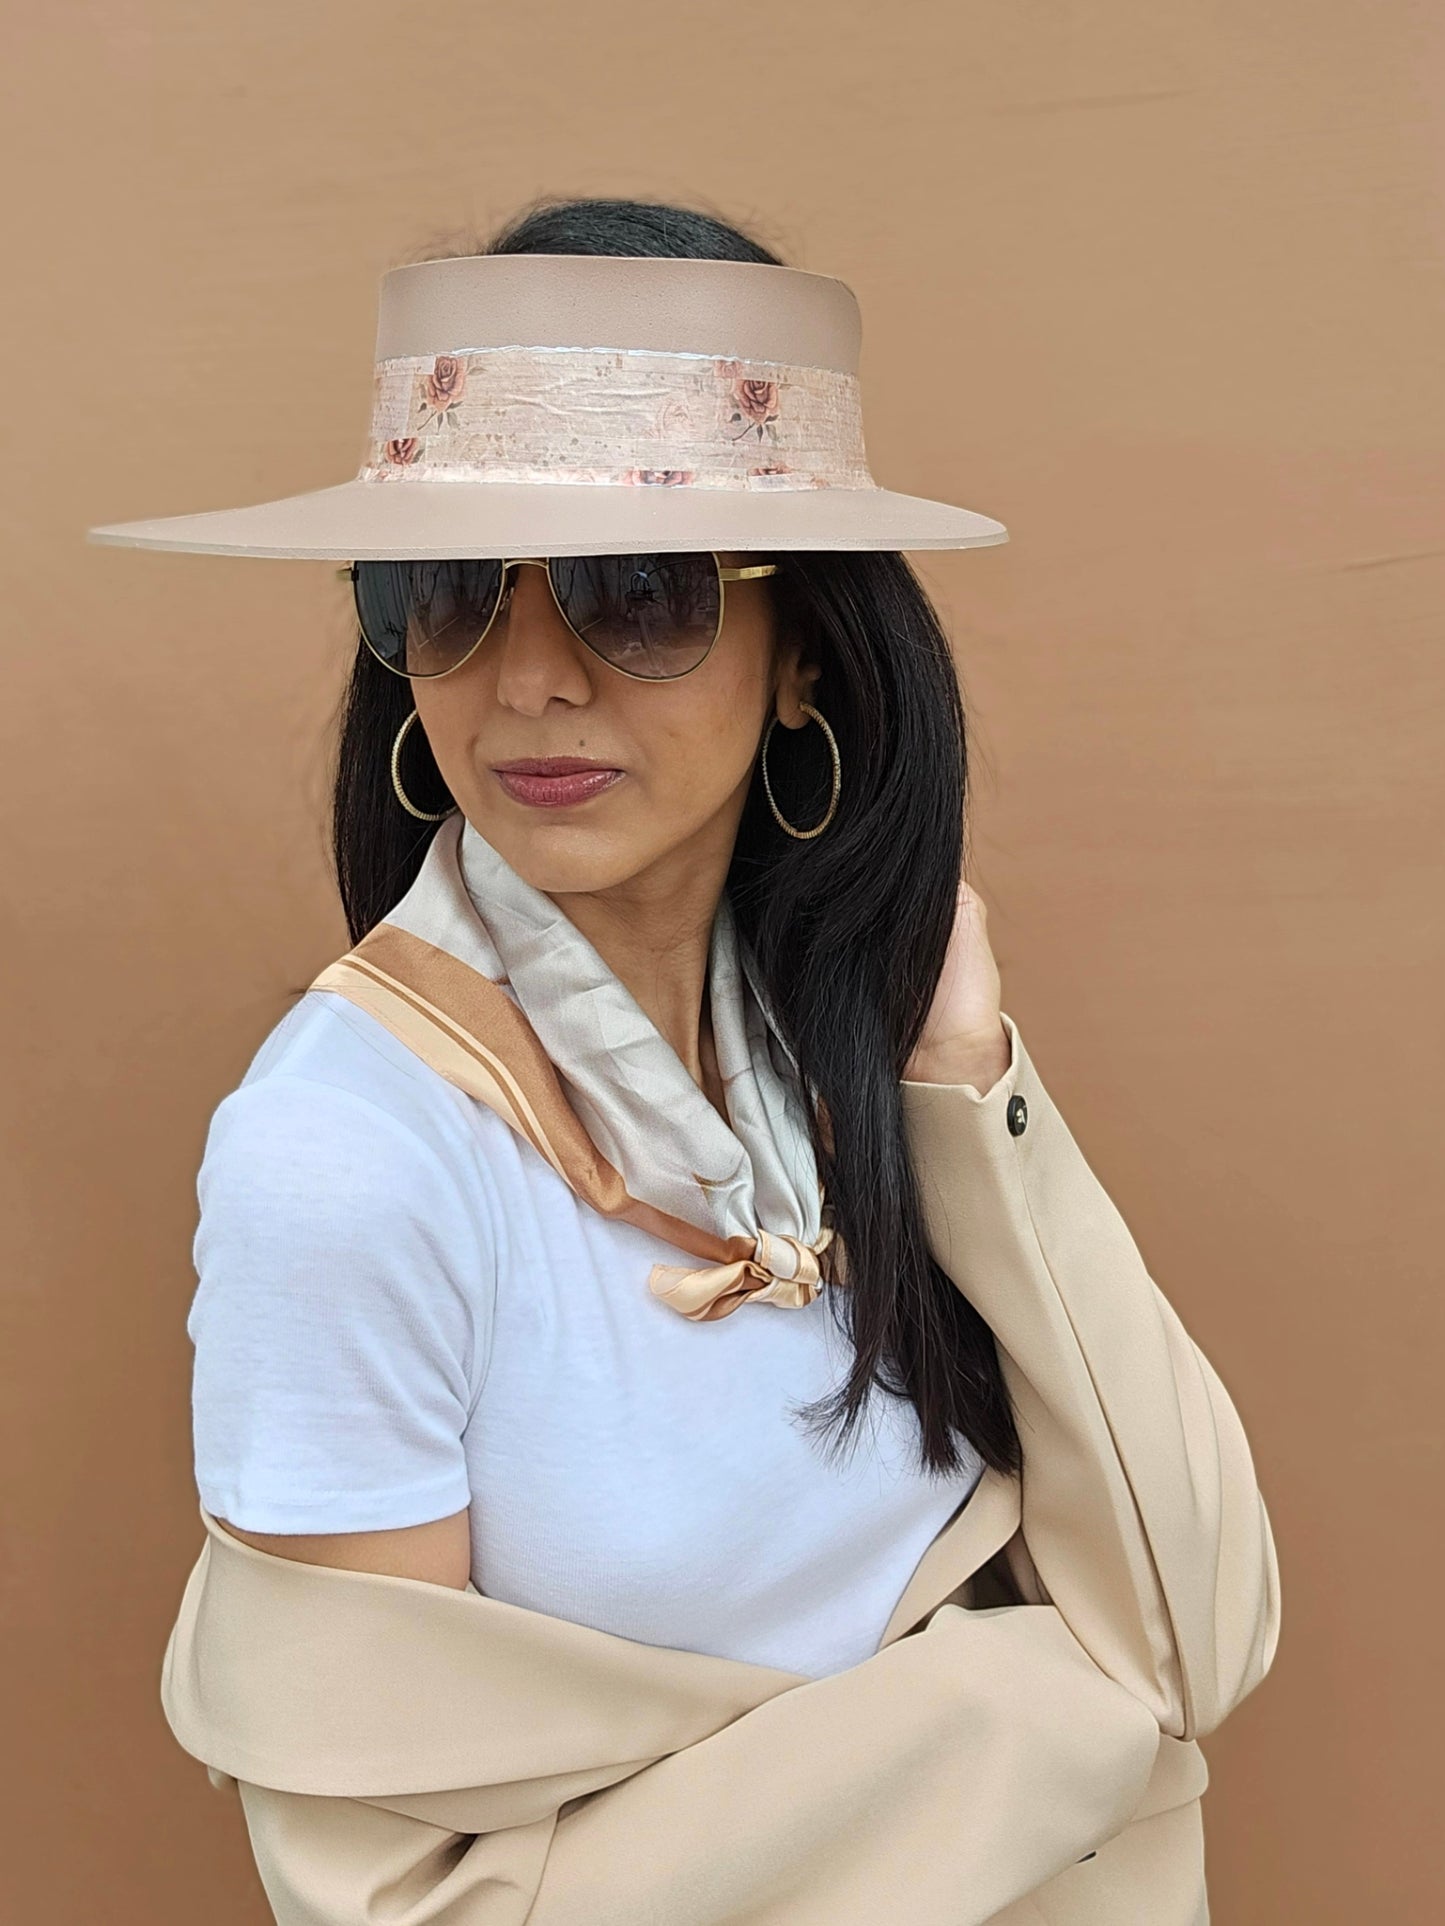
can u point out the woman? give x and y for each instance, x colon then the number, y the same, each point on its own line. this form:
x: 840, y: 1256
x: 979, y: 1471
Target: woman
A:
x: 688, y: 968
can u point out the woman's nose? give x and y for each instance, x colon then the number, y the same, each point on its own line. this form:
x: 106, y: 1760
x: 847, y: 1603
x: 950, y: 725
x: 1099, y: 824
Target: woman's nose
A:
x: 535, y: 646
x: 527, y: 604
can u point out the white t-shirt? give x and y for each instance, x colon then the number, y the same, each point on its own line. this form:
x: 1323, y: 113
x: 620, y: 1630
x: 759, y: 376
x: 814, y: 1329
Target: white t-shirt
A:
x: 402, y: 1310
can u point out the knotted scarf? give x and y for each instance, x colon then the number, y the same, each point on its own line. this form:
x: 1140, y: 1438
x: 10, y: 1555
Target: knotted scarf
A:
x: 484, y: 977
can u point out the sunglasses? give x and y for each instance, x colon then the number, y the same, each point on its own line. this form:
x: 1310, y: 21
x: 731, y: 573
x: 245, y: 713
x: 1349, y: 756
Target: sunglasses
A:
x: 654, y: 617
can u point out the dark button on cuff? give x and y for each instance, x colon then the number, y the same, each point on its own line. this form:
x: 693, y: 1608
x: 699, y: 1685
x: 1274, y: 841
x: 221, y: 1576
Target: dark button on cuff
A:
x: 1018, y: 1116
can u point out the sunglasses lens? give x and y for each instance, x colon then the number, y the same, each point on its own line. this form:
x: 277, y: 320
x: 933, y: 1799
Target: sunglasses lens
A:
x: 652, y: 615
x: 423, y: 618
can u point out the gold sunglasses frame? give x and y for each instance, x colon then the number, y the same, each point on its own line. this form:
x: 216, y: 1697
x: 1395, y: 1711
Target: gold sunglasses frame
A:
x: 724, y: 575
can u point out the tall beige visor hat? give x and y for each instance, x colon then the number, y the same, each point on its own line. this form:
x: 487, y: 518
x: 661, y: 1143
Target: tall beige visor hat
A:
x: 563, y: 404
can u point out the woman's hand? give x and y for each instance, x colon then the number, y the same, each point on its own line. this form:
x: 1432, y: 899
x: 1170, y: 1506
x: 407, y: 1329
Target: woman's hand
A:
x: 963, y: 1039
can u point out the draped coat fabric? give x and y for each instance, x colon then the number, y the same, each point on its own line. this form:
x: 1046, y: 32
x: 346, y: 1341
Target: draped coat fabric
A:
x: 1023, y: 1747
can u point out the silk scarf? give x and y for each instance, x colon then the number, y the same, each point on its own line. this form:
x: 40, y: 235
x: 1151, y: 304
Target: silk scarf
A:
x: 486, y: 979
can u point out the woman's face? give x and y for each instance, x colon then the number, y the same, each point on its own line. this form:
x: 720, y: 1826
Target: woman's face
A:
x: 685, y: 747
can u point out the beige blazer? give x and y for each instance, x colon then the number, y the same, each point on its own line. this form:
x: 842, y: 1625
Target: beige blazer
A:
x: 1023, y: 1747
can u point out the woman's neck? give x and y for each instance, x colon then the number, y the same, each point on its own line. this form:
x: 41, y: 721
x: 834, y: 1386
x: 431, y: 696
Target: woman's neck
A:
x: 654, y: 932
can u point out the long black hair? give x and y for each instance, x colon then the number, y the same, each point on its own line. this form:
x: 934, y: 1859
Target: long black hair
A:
x: 848, y: 930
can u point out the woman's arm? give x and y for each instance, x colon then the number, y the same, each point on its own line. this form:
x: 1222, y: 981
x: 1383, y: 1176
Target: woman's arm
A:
x: 1140, y: 1506
x: 938, y: 1781
x: 439, y: 1553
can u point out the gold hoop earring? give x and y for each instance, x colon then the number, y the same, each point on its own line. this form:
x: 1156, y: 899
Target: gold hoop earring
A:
x: 804, y: 834
x: 425, y: 815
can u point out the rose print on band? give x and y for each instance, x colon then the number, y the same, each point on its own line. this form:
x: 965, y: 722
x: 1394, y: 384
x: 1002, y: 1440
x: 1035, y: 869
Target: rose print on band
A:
x: 755, y: 403
x: 442, y: 389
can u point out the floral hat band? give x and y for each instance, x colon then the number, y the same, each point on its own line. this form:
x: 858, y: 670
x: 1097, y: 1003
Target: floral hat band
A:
x: 561, y: 404
x: 615, y: 417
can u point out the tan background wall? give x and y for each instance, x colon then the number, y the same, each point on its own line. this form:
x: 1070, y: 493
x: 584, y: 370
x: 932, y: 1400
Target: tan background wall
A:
x: 1160, y: 287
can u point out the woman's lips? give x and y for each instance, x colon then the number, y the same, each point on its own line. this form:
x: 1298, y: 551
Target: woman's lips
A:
x: 553, y: 792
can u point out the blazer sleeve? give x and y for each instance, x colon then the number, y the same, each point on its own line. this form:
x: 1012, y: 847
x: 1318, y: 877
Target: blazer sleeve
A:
x: 1140, y: 1508
x: 938, y: 1781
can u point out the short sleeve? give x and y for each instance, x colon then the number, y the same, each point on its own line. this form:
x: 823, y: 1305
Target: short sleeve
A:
x: 335, y: 1318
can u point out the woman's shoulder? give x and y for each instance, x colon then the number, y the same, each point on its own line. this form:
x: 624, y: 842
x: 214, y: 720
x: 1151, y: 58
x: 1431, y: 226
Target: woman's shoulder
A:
x: 329, y: 1064
x: 340, y: 1156
x: 336, y: 1118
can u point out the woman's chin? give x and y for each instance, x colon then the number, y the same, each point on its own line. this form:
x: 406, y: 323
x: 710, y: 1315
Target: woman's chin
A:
x: 560, y: 852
